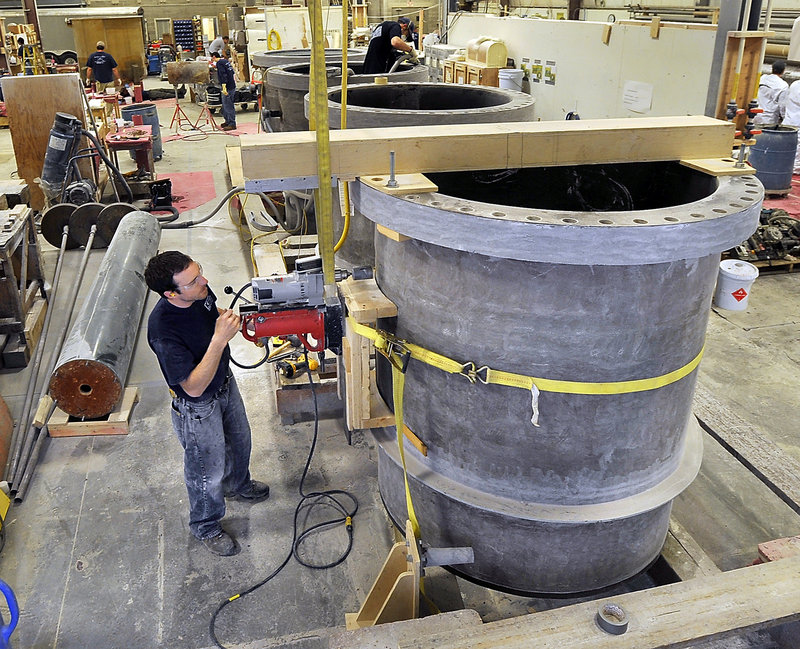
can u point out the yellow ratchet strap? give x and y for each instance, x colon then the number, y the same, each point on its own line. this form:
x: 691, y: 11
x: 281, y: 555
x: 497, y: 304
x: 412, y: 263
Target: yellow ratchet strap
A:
x: 400, y: 352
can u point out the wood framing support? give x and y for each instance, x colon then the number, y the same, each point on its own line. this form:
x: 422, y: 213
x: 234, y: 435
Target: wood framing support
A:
x: 675, y: 615
x: 467, y: 147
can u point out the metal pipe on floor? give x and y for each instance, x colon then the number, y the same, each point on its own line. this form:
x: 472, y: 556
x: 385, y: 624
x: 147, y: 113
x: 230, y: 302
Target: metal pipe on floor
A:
x: 90, y: 373
x: 30, y: 436
x: 22, y: 421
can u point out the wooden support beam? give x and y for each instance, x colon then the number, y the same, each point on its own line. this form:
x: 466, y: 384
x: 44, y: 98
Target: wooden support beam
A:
x: 675, y: 615
x: 469, y: 147
x: 763, y: 457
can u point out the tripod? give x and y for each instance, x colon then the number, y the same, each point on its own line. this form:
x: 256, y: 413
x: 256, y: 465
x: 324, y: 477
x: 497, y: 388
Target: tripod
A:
x: 179, y: 116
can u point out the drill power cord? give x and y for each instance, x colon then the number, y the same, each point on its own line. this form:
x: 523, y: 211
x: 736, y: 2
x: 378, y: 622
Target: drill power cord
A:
x: 328, y: 498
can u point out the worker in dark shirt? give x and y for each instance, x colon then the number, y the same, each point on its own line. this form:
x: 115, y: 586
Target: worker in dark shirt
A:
x: 102, y: 66
x: 189, y: 334
x: 387, y: 37
x: 227, y: 81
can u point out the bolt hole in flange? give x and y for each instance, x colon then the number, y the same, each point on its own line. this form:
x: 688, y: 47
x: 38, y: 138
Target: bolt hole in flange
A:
x: 85, y: 389
x: 612, y: 619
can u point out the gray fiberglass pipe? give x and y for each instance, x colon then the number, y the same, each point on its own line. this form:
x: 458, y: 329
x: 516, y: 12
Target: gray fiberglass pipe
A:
x: 90, y: 373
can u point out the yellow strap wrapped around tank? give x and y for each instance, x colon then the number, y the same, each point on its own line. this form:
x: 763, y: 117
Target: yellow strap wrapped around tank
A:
x: 400, y: 351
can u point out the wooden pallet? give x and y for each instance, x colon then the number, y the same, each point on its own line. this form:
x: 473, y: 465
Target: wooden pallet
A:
x: 115, y: 423
x: 776, y: 265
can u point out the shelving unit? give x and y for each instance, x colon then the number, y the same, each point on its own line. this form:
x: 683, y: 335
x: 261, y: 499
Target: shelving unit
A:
x: 183, y: 31
x: 197, y: 35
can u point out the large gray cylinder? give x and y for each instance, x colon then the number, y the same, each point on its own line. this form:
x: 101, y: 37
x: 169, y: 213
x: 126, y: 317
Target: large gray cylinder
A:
x: 585, y: 274
x: 91, y: 370
x: 270, y: 58
x: 414, y: 104
x: 289, y: 83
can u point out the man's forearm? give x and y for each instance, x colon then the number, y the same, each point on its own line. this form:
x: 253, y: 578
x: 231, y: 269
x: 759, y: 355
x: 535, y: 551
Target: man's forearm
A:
x: 202, y: 375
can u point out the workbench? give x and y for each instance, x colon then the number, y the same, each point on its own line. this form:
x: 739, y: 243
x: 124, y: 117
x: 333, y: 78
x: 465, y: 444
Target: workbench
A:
x: 138, y: 139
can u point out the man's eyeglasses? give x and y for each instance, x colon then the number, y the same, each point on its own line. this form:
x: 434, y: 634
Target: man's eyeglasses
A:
x: 194, y: 281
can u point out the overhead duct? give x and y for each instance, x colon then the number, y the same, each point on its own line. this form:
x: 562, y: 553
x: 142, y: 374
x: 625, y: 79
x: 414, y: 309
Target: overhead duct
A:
x: 584, y: 275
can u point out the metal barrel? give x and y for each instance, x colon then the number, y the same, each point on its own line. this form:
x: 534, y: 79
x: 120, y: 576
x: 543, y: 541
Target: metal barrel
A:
x: 595, y: 274
x: 91, y: 369
x: 149, y: 114
x: 773, y: 156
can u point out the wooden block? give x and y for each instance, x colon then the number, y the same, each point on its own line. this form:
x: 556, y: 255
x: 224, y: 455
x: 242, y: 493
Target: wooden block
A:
x: 655, y: 26
x: 234, y: 156
x: 779, y: 548
x: 40, y: 417
x: 34, y: 321
x: 468, y: 147
x: 14, y: 192
x: 115, y: 423
x: 606, y: 36
x: 391, y: 234
x: 406, y: 184
x: 365, y: 302
x: 718, y: 167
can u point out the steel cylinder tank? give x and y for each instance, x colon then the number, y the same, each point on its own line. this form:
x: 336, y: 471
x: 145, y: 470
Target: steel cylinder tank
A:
x: 269, y: 58
x: 586, y: 275
x: 414, y: 104
x: 290, y: 84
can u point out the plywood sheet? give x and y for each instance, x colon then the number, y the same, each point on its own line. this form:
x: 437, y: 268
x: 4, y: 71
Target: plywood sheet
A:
x: 124, y: 39
x: 30, y: 128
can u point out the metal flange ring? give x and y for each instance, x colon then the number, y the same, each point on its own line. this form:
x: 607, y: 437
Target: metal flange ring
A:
x: 81, y: 222
x: 53, y: 221
x: 108, y: 220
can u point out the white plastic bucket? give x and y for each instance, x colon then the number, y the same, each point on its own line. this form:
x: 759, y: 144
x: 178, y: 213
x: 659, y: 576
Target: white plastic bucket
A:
x: 733, y: 284
x: 510, y: 78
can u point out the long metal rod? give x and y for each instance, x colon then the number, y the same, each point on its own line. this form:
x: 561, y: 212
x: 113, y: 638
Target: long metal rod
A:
x: 22, y: 420
x: 23, y: 269
x: 56, y: 350
x: 40, y: 434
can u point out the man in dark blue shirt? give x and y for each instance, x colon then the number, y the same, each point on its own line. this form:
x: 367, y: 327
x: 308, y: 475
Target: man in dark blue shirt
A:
x: 190, y: 336
x: 227, y: 81
x: 102, y: 66
x: 387, y: 37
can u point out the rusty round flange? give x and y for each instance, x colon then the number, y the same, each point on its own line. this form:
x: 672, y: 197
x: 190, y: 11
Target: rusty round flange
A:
x: 53, y: 221
x: 108, y: 220
x: 85, y: 388
x: 81, y: 222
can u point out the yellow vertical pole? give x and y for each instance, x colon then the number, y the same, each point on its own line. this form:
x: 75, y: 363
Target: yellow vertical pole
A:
x: 319, y: 112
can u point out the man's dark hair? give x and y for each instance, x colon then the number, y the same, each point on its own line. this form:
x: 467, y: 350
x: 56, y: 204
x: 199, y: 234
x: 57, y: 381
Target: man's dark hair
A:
x: 779, y: 66
x: 160, y: 270
x: 215, y: 55
x: 225, y: 37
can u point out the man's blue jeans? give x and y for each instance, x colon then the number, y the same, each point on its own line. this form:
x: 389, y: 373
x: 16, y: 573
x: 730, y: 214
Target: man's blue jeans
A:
x: 228, y: 110
x: 215, y: 436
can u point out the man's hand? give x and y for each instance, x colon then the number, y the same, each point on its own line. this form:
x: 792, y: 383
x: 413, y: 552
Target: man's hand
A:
x: 412, y: 55
x: 227, y: 325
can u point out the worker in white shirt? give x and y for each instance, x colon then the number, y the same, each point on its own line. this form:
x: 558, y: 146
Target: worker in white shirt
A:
x: 218, y: 45
x: 790, y: 108
x: 771, y: 91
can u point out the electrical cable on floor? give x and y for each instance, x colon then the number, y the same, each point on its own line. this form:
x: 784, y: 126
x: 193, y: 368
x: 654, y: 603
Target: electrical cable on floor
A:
x: 307, y: 500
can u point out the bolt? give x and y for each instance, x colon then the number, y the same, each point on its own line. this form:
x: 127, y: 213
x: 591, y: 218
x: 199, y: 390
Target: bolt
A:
x: 392, y: 180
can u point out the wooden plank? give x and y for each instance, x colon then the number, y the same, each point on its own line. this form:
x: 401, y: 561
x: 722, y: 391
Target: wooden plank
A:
x: 233, y: 154
x: 406, y: 184
x: 718, y: 167
x: 465, y: 147
x: 30, y: 129
x: 606, y: 35
x: 391, y: 234
x: 684, y: 555
x: 655, y: 27
x: 674, y: 615
x: 117, y: 422
x: 765, y: 459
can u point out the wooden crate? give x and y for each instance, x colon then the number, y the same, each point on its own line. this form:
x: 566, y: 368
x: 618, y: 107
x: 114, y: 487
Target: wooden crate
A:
x: 115, y: 423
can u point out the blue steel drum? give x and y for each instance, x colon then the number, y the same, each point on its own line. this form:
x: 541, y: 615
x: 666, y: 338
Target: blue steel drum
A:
x: 773, y: 157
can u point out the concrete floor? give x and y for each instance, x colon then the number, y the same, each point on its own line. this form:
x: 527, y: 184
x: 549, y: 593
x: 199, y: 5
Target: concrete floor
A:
x: 100, y: 555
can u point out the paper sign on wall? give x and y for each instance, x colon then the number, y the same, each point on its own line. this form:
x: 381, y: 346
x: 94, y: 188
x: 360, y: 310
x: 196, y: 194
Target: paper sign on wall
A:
x: 637, y: 96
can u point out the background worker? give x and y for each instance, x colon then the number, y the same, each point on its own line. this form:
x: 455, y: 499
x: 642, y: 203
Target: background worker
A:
x: 227, y: 82
x: 771, y: 91
x: 102, y: 66
x: 190, y: 336
x: 790, y: 109
x: 219, y: 45
x: 387, y: 37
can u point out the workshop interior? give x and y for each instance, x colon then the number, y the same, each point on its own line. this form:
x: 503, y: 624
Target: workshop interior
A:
x: 517, y: 333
